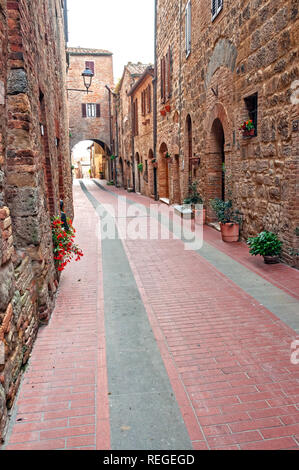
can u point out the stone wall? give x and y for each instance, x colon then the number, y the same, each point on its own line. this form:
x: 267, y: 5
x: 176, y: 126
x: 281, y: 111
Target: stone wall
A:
x: 250, y: 47
x: 143, y: 142
x: 122, y: 109
x: 35, y: 173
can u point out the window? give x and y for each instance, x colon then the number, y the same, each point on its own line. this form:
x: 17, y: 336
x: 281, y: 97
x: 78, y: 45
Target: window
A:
x: 149, y: 99
x: 166, y: 76
x: 90, y: 65
x: 251, y: 103
x: 163, y: 82
x: 169, y: 72
x: 91, y: 110
x: 216, y: 8
x: 135, y: 117
x: 188, y: 28
x: 143, y: 103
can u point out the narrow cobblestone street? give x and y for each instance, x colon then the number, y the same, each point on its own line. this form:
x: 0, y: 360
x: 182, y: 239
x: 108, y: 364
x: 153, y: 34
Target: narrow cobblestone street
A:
x: 152, y: 346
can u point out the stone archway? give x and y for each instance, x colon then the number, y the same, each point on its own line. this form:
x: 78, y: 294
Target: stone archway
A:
x: 101, y: 166
x: 163, y: 172
x: 217, y: 155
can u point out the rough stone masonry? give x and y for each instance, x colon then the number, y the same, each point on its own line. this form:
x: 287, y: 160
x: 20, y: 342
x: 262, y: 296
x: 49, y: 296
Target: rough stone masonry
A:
x: 35, y: 172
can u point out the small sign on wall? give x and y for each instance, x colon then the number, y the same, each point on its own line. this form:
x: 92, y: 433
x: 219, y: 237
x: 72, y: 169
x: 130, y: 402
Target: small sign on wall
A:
x: 2, y: 96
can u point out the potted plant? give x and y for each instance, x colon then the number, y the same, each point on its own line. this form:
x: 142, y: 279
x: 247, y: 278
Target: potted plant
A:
x: 247, y: 128
x: 113, y: 157
x: 140, y: 166
x: 228, y: 218
x: 266, y: 244
x: 154, y: 162
x: 163, y: 112
x: 167, y: 155
x: 167, y: 108
x: 195, y: 198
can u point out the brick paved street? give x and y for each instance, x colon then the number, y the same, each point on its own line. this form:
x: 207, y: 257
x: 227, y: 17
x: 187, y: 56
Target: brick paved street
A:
x: 193, y: 353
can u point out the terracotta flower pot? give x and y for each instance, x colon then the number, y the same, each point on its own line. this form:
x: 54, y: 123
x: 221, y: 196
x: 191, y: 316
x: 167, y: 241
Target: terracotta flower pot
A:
x: 230, y: 232
x: 271, y: 259
x: 247, y: 133
x: 163, y: 112
x: 167, y: 108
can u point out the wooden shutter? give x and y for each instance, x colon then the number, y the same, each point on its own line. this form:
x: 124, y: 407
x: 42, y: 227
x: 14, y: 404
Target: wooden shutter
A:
x: 149, y: 99
x: 90, y: 65
x: 216, y: 7
x: 162, y: 84
x: 98, y: 110
x: 169, y: 72
x: 83, y: 110
x: 136, y: 104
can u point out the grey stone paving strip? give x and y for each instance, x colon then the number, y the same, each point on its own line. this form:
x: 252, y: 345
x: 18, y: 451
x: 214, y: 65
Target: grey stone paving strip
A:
x: 281, y: 304
x: 144, y: 414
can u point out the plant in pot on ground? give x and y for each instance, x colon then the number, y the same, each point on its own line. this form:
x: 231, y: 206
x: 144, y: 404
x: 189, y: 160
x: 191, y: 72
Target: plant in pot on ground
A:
x: 194, y: 198
x: 266, y: 244
x: 228, y: 218
x: 140, y: 166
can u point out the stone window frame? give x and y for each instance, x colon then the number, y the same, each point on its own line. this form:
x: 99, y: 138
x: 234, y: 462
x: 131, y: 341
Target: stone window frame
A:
x: 188, y: 24
x: 216, y: 7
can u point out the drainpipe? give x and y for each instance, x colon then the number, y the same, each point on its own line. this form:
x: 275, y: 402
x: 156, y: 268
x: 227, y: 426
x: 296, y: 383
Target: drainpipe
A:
x: 155, y: 101
x: 112, y: 163
x: 133, y: 146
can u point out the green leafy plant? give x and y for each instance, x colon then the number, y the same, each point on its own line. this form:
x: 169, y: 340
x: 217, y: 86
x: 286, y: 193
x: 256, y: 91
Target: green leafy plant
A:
x: 224, y: 211
x: 113, y: 157
x: 194, y: 196
x: 265, y: 244
x: 247, y: 126
x: 110, y: 183
x: 167, y: 155
x: 64, y: 248
x: 140, y: 166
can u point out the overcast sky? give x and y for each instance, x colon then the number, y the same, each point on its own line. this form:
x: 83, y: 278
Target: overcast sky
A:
x: 124, y: 27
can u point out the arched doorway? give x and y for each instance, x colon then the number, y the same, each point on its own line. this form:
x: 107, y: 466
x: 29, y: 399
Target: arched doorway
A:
x: 137, y: 160
x: 163, y: 172
x: 152, y: 177
x: 189, y: 148
x: 121, y: 172
x: 217, y: 161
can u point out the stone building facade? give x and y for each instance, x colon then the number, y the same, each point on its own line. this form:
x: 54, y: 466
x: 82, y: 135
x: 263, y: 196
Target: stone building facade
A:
x: 90, y: 114
x: 35, y: 173
x: 141, y: 95
x: 220, y: 63
x: 122, y: 125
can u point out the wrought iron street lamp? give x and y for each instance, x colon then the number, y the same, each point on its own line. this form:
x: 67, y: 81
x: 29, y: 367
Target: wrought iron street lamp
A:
x: 87, y: 77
